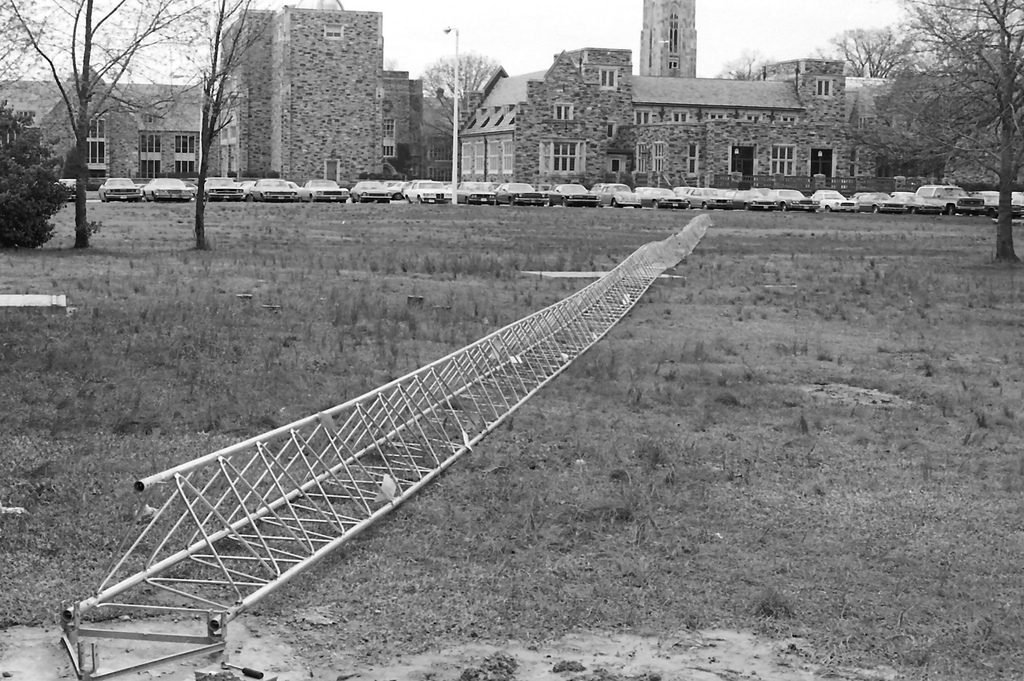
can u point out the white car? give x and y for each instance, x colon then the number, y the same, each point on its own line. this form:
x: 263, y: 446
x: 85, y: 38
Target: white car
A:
x: 326, y: 191
x: 428, y: 191
x: 832, y: 201
x: 120, y: 189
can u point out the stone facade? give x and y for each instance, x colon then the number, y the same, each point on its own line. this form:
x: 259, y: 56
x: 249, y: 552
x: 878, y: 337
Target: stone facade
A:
x: 668, y: 40
x: 576, y: 123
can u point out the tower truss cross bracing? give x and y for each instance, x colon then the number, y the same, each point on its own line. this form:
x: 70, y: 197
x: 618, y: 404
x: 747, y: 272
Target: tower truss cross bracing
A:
x: 221, y: 532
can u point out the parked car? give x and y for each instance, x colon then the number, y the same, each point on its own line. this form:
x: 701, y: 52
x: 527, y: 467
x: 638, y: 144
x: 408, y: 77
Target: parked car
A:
x: 70, y: 186
x: 325, y: 191
x: 991, y: 199
x: 475, y: 193
x: 428, y: 191
x: 791, y: 199
x: 519, y: 194
x: 246, y: 186
x: 660, y: 197
x: 915, y: 205
x: 272, y: 189
x: 572, y: 195
x: 877, y: 202
x: 832, y: 201
x: 951, y: 199
x: 119, y: 189
x: 616, y: 195
x: 683, y: 191
x: 222, y: 189
x: 166, y: 189
x: 371, y: 191
x: 397, y: 188
x: 709, y: 198
x: 752, y: 199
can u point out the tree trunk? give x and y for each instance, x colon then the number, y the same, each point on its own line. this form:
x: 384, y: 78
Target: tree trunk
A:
x: 205, y: 138
x: 1007, y: 174
x: 82, y: 177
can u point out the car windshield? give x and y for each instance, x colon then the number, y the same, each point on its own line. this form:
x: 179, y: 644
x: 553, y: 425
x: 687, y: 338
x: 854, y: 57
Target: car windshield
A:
x: 571, y: 189
x: 371, y: 185
x: 219, y: 182
x: 519, y: 187
x: 119, y: 182
x: 475, y: 186
x: 951, y: 192
x: 167, y: 182
x: 875, y: 197
x: 790, y: 194
x: 832, y: 195
x: 617, y: 188
x: 430, y: 185
x: 322, y: 183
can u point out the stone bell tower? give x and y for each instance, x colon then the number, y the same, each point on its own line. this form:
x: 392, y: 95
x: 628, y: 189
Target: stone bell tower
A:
x: 668, y: 41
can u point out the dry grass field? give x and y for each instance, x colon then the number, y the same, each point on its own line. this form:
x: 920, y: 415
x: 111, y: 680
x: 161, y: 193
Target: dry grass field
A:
x: 817, y: 430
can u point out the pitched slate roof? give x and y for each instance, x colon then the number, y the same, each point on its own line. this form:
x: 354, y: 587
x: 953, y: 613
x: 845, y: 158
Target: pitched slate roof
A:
x: 720, y: 92
x: 512, y: 90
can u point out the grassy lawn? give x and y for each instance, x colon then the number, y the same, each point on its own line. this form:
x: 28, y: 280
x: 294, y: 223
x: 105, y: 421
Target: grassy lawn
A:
x: 690, y: 471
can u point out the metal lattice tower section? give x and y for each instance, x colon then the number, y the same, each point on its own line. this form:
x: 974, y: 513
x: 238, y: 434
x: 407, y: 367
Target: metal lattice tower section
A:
x: 225, y: 530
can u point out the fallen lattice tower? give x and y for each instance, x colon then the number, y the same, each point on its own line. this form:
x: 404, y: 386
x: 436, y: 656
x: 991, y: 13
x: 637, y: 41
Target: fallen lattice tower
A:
x: 222, y: 532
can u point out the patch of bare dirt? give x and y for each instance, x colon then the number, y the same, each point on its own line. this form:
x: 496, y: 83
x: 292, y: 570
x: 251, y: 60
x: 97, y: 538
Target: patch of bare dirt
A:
x: 33, y: 654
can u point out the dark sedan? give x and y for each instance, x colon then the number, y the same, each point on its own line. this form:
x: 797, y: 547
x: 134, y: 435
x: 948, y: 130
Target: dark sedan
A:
x: 709, y: 198
x: 877, y: 202
x: 791, y: 199
x: 475, y: 193
x: 572, y: 195
x: 519, y: 194
x: 660, y: 197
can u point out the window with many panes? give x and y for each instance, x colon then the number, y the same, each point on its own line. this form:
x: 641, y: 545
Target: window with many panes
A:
x: 610, y: 129
x: 334, y: 31
x: 658, y: 157
x: 609, y: 78
x: 823, y: 87
x: 643, y: 158
x: 508, y: 157
x: 642, y: 117
x: 387, y: 150
x: 184, y: 145
x: 561, y: 158
x: 783, y: 159
x: 467, y: 159
x: 389, y: 128
x: 149, y: 143
x: 96, y: 142
x: 478, y: 161
x: 563, y: 112
x: 149, y: 167
x: 692, y: 152
x: 680, y: 116
x: 494, y: 156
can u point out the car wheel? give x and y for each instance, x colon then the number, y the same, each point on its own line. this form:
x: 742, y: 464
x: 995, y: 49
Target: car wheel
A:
x: 950, y: 210
x: 704, y: 205
x: 911, y: 210
x: 746, y: 206
x: 248, y: 198
x: 784, y: 207
x: 828, y: 209
x: 419, y: 200
x: 614, y: 203
x: 875, y: 210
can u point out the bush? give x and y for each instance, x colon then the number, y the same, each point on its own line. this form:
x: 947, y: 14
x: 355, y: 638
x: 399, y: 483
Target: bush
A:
x: 29, y: 193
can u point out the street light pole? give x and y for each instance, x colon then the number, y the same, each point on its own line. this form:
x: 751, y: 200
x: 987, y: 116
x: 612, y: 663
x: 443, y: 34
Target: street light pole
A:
x: 455, y: 121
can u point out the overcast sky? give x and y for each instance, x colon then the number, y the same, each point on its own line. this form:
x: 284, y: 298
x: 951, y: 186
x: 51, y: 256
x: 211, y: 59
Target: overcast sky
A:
x: 524, y: 35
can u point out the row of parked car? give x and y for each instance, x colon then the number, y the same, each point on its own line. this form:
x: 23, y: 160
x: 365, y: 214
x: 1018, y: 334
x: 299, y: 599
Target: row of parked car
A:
x: 928, y: 199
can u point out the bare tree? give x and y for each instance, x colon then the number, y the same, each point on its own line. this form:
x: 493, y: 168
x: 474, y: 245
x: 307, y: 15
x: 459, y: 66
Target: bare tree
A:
x: 750, y: 65
x: 89, y: 48
x: 439, y: 80
x: 971, y: 98
x: 875, y: 53
x: 235, y: 31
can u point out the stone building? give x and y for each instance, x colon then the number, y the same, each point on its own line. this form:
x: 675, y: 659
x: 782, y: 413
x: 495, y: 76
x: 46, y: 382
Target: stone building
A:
x: 142, y: 131
x: 314, y: 100
x: 589, y: 119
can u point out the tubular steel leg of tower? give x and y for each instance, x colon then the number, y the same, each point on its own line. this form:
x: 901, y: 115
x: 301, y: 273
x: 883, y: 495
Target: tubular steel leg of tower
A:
x: 231, y: 527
